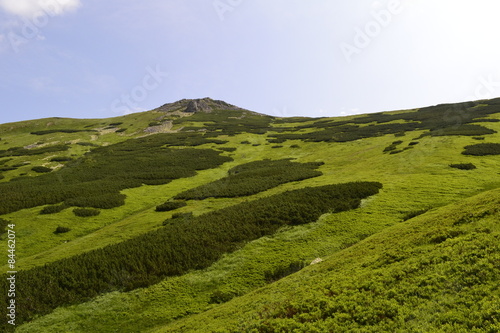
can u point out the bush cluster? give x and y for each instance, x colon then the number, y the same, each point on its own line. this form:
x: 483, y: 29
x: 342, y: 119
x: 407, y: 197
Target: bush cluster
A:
x: 96, y: 179
x: 60, y: 131
x: 19, y: 151
x: 41, y: 169
x: 438, y: 120
x: 176, y: 248
x: 482, y: 149
x: 170, y: 205
x: 227, y: 149
x: 252, y: 178
x: 5, y: 161
x: 87, y: 144
x: 393, y: 146
x: 3, y: 225
x: 61, y: 159
x: 463, y: 166
x: 86, y: 212
x: 61, y: 230
x: 53, y: 209
x: 230, y: 122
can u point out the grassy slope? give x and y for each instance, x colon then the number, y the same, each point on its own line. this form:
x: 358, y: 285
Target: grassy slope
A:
x: 415, y: 179
x: 437, y: 272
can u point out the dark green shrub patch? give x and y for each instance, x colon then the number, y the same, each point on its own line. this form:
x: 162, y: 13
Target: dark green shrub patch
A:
x: 463, y: 166
x: 413, y: 143
x: 392, y: 147
x: 19, y: 151
x: 176, y: 217
x: 277, y: 140
x: 21, y: 164
x: 41, y: 169
x: 121, y: 130
x: 478, y: 138
x: 116, y: 124
x: 482, y: 149
x: 3, y: 225
x: 246, y: 142
x: 227, y: 149
x: 87, y: 144
x: 60, y: 131
x: 86, y: 212
x: 277, y: 146
x: 180, y: 139
x: 61, y: 159
x: 11, y: 168
x: 96, y: 179
x: 5, y: 161
x: 104, y: 201
x: 252, y: 178
x: 54, y: 209
x: 294, y: 146
x: 230, y: 122
x: 170, y: 205
x: 61, y: 230
x: 465, y: 129
x: 178, y: 247
x: 445, y: 119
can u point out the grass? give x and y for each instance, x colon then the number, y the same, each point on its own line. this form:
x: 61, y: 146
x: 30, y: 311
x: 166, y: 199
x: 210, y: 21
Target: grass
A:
x: 411, y: 182
x: 391, y: 270
x: 416, y: 179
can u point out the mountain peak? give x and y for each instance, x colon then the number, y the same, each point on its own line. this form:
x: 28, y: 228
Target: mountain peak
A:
x: 198, y: 105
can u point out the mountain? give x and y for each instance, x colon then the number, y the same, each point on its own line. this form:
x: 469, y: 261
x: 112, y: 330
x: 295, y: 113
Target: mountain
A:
x: 201, y: 216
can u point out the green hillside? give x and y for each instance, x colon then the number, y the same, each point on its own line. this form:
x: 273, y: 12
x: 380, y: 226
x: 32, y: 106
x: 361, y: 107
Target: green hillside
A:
x: 200, y: 216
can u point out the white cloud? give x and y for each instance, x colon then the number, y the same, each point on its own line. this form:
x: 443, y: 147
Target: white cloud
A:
x: 29, y: 8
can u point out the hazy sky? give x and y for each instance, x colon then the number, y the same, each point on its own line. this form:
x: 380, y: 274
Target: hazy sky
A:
x: 104, y: 58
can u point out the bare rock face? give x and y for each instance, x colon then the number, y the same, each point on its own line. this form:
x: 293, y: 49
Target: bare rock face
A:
x: 197, y: 105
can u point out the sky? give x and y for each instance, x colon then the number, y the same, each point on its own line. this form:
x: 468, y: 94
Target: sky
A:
x: 106, y: 58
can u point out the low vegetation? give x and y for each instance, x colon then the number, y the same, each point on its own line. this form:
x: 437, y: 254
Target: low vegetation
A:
x: 96, y: 179
x: 178, y: 247
x: 41, y: 169
x: 430, y: 274
x: 61, y: 230
x: 463, y: 166
x: 440, y: 120
x: 482, y: 149
x: 170, y: 205
x: 19, y: 151
x: 252, y: 178
x: 86, y: 212
x: 60, y: 131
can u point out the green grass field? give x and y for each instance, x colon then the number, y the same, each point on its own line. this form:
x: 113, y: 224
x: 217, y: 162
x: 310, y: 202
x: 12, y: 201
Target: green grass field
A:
x: 356, y: 246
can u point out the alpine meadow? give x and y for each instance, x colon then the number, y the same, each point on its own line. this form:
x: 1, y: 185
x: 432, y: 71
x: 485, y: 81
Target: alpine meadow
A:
x: 201, y: 216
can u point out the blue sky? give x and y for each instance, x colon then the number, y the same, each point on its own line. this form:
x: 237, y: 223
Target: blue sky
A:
x: 105, y: 58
